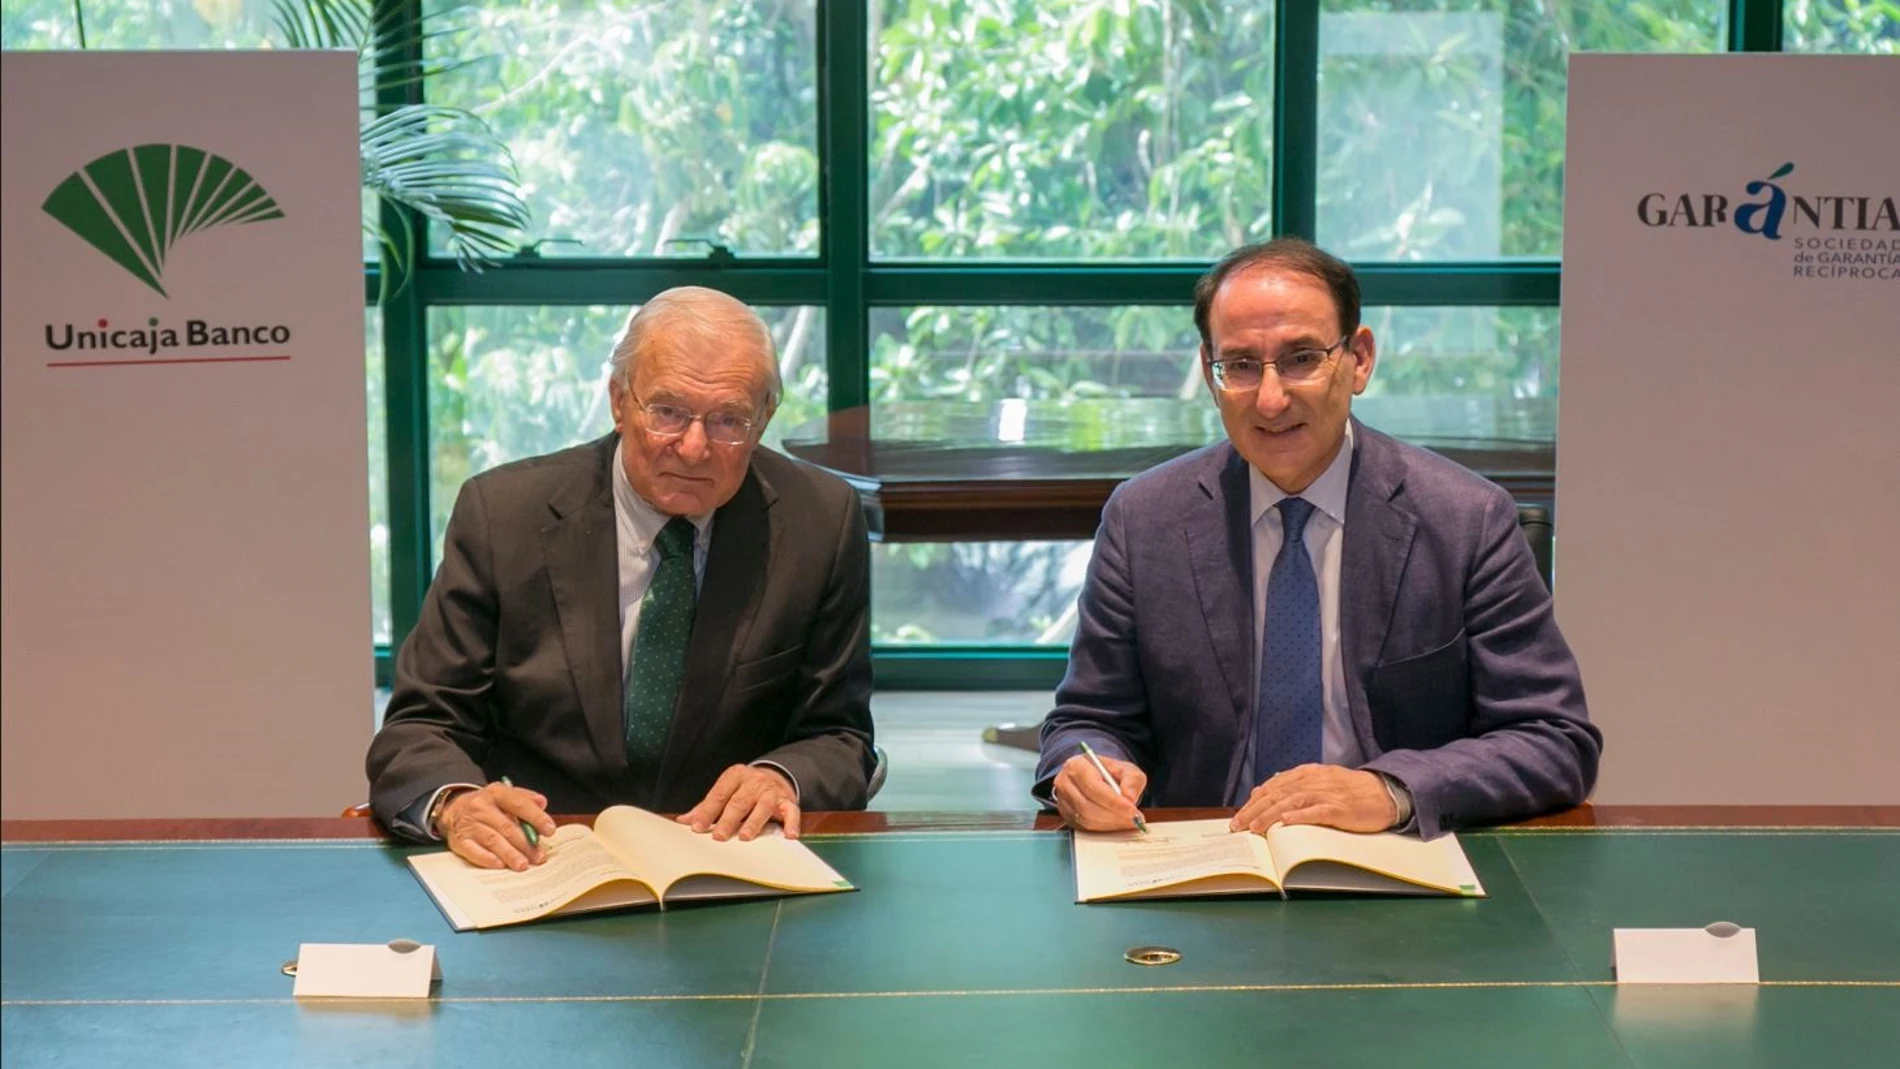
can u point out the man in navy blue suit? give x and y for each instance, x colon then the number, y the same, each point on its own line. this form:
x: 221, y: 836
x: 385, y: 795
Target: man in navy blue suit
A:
x: 1312, y: 621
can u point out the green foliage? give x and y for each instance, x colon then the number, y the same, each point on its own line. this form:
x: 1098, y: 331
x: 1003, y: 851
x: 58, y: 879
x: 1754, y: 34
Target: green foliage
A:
x: 440, y: 163
x: 1072, y: 129
x: 1441, y: 122
x: 1862, y: 27
x: 638, y: 124
x: 116, y: 24
x: 444, y: 165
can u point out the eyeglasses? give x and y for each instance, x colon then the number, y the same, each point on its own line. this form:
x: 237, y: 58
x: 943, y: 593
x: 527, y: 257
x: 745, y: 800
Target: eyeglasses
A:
x: 1298, y: 366
x: 670, y: 421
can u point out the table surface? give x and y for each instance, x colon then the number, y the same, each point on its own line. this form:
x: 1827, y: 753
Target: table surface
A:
x: 159, y: 943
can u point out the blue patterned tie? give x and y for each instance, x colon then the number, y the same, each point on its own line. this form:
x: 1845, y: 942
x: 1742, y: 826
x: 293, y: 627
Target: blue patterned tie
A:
x: 658, y: 657
x: 1288, y: 723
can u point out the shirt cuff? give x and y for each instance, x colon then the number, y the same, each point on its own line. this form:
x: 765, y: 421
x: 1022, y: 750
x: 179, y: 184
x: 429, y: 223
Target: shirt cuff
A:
x: 1401, y: 800
x: 783, y: 771
x: 416, y: 817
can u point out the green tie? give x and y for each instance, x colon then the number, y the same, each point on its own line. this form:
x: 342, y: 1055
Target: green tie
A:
x: 659, y: 648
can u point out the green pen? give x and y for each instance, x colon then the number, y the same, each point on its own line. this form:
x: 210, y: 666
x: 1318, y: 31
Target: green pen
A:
x: 527, y: 829
x: 1140, y: 824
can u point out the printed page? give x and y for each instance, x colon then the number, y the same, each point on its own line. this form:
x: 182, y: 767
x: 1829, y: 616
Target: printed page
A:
x: 483, y: 898
x: 666, y: 853
x: 1186, y: 857
x: 1313, y: 858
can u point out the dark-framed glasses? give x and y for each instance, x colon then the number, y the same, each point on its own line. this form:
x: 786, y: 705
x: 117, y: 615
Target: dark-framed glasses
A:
x: 670, y: 421
x: 1293, y: 367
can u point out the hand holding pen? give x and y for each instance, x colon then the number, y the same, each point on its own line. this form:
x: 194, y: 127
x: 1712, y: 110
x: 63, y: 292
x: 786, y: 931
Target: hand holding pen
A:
x: 499, y: 826
x: 1094, y: 793
x: 527, y: 829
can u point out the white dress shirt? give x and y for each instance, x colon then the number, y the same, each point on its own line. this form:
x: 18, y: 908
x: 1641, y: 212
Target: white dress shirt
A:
x: 636, y: 524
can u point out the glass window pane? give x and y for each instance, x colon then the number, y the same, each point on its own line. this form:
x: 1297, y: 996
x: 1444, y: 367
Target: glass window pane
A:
x: 985, y: 353
x: 1000, y: 593
x: 116, y: 24
x: 1443, y: 373
x: 373, y: 385
x: 1441, y: 122
x: 1084, y: 129
x: 638, y: 127
x: 513, y: 382
x: 1464, y: 377
x: 1866, y: 27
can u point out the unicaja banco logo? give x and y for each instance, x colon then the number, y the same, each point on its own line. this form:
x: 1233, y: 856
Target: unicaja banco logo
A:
x: 1836, y: 235
x: 135, y: 205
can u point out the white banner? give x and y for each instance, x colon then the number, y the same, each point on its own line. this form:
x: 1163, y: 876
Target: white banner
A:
x: 185, y: 518
x: 1728, y: 463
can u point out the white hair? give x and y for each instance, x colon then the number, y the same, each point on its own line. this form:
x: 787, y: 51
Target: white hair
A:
x: 700, y: 320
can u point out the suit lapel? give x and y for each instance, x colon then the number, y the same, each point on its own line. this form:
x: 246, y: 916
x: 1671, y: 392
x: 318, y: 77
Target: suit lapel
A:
x: 1220, y: 555
x: 582, y: 558
x: 1378, y: 542
x: 728, y: 600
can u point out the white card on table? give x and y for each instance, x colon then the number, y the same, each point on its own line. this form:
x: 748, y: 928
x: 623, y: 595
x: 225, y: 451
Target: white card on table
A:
x: 397, y: 969
x: 1719, y: 954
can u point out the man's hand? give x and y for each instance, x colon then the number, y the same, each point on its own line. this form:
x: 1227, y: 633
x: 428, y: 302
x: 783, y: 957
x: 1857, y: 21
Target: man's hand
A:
x: 1346, y: 798
x: 1086, y: 800
x: 484, y: 827
x: 744, y: 800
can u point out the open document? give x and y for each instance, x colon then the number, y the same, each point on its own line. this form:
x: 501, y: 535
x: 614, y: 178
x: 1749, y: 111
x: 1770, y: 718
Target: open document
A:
x: 629, y: 858
x: 1189, y: 858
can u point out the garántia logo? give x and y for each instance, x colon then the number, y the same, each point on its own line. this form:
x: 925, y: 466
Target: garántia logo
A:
x: 135, y: 204
x: 1767, y: 216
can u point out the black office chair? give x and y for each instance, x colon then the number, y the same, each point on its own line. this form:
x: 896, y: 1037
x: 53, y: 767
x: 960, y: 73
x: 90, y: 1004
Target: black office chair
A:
x: 1534, y: 521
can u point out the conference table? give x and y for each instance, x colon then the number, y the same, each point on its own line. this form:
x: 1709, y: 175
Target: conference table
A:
x: 161, y: 943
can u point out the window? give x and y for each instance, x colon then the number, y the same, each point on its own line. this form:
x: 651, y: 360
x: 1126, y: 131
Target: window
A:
x: 373, y: 380
x: 124, y: 24
x: 653, y: 129
x: 512, y: 382
x: 1441, y: 122
x: 1070, y: 129
x: 1866, y: 27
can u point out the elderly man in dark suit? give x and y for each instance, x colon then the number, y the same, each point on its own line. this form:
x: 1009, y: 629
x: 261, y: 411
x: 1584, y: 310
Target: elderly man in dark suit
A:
x: 671, y: 617
x: 1312, y: 621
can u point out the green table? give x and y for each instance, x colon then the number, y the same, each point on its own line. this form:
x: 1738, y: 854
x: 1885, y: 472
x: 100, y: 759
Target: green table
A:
x: 963, y: 948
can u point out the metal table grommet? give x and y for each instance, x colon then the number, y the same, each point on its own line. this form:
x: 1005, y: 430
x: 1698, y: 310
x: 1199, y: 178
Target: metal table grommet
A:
x: 1153, y: 956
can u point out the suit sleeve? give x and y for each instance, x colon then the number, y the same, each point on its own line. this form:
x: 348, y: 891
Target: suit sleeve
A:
x: 828, y: 735
x: 1530, y: 746
x: 1103, y: 699
x: 440, y: 719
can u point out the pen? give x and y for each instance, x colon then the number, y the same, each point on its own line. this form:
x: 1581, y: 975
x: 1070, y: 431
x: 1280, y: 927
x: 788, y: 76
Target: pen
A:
x: 527, y: 829
x: 1140, y: 824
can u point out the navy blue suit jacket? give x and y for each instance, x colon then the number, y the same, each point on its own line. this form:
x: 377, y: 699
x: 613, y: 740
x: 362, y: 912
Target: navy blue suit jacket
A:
x: 1459, y: 683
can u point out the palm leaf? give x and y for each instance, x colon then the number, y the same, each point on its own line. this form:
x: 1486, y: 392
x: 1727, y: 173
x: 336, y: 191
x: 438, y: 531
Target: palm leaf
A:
x: 394, y: 45
x: 440, y: 163
x: 447, y: 166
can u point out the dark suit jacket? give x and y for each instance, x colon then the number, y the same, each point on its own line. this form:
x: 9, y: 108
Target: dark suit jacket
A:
x: 1459, y: 684
x: 514, y: 667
